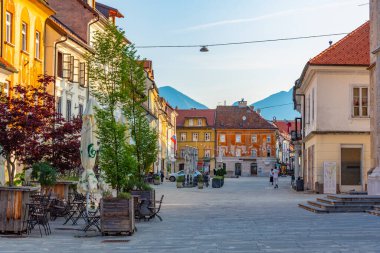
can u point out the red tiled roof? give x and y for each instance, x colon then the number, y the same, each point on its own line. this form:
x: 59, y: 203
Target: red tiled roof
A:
x: 7, y: 66
x: 208, y: 114
x: 231, y: 117
x: 286, y: 126
x: 352, y: 50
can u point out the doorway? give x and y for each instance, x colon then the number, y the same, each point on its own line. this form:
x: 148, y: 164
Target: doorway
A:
x: 253, y: 169
x: 181, y: 166
x: 351, y: 168
x: 237, y: 169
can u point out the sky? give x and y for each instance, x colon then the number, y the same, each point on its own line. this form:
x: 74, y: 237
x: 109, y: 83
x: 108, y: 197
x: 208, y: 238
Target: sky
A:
x: 230, y: 73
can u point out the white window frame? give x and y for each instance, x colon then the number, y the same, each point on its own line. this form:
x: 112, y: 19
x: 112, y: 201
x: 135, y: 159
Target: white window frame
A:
x: 191, y: 122
x: 269, y: 139
x: 24, y: 36
x: 254, y: 138
x: 183, y: 136
x: 38, y: 45
x: 360, y: 87
x: 253, y: 152
x: 207, y: 136
x: 312, y: 105
x: 222, y: 138
x: 199, y: 122
x: 195, y: 136
x: 8, y: 22
x: 238, y: 138
x: 208, y: 153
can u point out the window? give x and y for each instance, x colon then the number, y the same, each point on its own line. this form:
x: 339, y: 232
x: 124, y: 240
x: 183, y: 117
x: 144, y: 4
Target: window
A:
x: 360, y: 102
x: 71, y: 69
x: 238, y: 138
x: 59, y: 106
x: 38, y: 40
x: 183, y: 136
x: 207, y: 153
x: 82, y: 74
x: 207, y: 136
x: 254, y: 138
x: 191, y: 122
x: 268, y: 151
x: 308, y: 110
x: 312, y: 105
x: 182, y: 153
x: 80, y: 107
x: 6, y: 88
x: 60, y: 65
x: 9, y: 21
x: 199, y: 122
x: 238, y: 152
x: 254, y: 153
x: 24, y: 37
x: 268, y: 139
x: 195, y: 136
x: 222, y: 138
x: 68, y: 109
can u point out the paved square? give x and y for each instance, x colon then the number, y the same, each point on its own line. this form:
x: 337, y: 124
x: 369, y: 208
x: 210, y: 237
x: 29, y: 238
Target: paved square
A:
x: 246, y: 215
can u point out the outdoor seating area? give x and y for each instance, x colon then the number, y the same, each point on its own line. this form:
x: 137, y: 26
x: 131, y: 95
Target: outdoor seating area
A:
x: 46, y: 210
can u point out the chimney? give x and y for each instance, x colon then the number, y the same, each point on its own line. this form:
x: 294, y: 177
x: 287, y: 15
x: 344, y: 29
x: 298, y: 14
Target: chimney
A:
x: 242, y: 103
x: 225, y: 102
x: 258, y: 111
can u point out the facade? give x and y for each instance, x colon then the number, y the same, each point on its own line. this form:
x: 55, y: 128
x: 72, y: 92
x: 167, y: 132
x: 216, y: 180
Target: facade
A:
x: 196, y: 129
x: 23, y: 46
x: 284, y: 146
x: 333, y: 97
x: 246, y: 142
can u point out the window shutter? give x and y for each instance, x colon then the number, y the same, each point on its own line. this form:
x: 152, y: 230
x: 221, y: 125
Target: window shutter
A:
x: 71, y: 76
x: 66, y: 66
x: 75, y: 71
x: 82, y: 74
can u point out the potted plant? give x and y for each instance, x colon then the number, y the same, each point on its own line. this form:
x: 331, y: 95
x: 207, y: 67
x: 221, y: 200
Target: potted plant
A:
x: 200, y: 181
x: 45, y: 174
x: 180, y: 181
x: 217, y: 182
x: 156, y: 179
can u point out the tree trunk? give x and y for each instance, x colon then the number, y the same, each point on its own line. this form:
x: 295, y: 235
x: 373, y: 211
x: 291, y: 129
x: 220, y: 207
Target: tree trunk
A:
x: 11, y: 170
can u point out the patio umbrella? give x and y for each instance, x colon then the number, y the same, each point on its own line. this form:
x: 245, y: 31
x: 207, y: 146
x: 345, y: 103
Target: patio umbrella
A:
x: 89, y: 145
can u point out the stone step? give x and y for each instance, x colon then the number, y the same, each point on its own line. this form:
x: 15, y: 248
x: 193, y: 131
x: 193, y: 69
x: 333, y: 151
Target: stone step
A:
x: 320, y: 205
x: 354, y: 197
x: 340, y: 208
x: 376, y: 207
x: 311, y: 208
x: 348, y: 202
x: 374, y: 212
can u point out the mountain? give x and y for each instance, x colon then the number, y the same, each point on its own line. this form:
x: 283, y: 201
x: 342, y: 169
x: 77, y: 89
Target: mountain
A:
x: 279, y: 105
x: 178, y: 99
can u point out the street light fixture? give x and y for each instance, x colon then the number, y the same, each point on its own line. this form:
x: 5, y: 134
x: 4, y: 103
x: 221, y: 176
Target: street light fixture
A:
x: 204, y: 49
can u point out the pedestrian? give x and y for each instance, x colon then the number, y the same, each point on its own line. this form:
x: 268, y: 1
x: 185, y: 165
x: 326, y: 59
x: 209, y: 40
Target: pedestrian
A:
x: 162, y: 176
x: 271, y: 176
x: 275, y: 177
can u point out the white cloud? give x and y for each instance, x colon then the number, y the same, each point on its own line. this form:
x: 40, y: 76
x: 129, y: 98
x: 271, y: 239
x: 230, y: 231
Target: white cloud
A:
x: 269, y: 16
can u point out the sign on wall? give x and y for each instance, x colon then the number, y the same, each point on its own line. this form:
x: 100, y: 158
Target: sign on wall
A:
x: 329, y: 177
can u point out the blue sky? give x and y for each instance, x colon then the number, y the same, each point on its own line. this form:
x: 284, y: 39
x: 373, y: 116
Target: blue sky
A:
x: 234, y: 72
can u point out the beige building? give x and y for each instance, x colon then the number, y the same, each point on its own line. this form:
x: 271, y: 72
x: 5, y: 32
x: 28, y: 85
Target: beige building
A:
x: 332, y: 95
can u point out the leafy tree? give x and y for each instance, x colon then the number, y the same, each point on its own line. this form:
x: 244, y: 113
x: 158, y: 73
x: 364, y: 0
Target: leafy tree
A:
x: 108, y: 74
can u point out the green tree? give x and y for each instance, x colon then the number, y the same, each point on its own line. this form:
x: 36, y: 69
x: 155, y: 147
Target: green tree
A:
x: 108, y: 71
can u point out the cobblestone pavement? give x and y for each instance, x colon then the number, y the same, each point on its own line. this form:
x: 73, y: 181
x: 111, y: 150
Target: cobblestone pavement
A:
x: 246, y: 215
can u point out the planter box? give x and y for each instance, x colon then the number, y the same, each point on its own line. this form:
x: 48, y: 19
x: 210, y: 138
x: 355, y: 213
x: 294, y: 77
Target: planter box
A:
x: 200, y: 185
x: 62, y: 188
x: 13, y: 208
x: 216, y: 183
x: 179, y: 184
x: 117, y: 216
x: 149, y: 195
x: 156, y: 181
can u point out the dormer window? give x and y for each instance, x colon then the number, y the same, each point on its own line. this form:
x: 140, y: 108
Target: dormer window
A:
x: 199, y: 122
x: 191, y: 122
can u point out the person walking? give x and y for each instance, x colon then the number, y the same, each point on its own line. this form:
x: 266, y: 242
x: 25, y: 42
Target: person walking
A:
x: 162, y: 176
x: 271, y: 176
x: 275, y: 177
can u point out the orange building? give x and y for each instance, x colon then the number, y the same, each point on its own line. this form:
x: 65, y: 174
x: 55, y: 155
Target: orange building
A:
x: 246, y: 142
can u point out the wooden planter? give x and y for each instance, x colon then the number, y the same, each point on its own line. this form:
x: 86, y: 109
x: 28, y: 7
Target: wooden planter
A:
x: 216, y: 183
x: 13, y: 208
x: 149, y: 195
x: 117, y: 216
x: 62, y: 188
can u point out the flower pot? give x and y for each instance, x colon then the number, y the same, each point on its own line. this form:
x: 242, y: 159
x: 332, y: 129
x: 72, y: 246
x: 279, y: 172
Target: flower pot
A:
x: 156, y: 181
x: 216, y: 183
x: 200, y: 185
x: 117, y: 216
x: 179, y: 184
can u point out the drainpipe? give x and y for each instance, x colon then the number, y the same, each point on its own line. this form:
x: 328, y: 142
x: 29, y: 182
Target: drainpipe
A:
x: 88, y: 42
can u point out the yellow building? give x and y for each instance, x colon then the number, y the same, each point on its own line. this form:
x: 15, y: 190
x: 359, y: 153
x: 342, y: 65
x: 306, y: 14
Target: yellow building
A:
x: 195, y: 128
x: 22, y: 36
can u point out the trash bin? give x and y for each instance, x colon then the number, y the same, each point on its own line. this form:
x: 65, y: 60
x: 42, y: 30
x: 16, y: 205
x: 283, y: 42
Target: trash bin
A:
x: 299, y: 184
